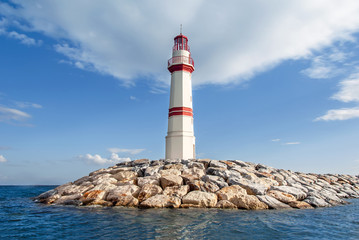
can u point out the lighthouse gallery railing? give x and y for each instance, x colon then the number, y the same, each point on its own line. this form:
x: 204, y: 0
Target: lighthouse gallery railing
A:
x: 181, y: 59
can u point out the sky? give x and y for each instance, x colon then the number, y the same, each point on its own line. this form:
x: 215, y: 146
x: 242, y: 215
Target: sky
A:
x: 84, y: 84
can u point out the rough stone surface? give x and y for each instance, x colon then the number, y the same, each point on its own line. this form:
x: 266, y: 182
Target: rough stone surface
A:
x: 170, y: 180
x: 148, y: 191
x: 272, y: 202
x: 201, y: 183
x: 225, y: 204
x: 200, y: 199
x: 160, y: 201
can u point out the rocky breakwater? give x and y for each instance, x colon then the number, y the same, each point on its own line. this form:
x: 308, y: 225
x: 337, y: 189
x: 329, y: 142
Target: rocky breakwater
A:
x: 203, y: 183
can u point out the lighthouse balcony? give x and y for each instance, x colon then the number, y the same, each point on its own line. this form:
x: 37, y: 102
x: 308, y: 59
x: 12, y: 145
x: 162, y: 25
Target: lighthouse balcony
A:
x: 181, y: 60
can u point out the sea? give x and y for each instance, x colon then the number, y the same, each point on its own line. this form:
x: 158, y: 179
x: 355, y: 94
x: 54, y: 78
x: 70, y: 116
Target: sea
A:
x: 21, y: 218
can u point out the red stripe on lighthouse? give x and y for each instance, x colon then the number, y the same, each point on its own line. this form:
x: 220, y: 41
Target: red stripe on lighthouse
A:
x: 181, y: 67
x: 180, y: 114
x: 180, y: 109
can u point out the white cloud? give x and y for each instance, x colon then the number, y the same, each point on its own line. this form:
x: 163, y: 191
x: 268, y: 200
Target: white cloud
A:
x: 291, y: 143
x: 349, y: 89
x: 339, y: 114
x: 97, y: 159
x: 231, y: 41
x: 122, y: 150
x: 275, y: 140
x: 11, y: 114
x: 2, y: 159
x: 27, y: 105
x: 320, y: 68
x: 348, y: 92
x: 133, y: 98
x: 22, y: 38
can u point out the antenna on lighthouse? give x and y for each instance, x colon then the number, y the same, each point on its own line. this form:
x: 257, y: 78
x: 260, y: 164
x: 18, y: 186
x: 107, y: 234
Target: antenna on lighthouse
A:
x: 181, y: 29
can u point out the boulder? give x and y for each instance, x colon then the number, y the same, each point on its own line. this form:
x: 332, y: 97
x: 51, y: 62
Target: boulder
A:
x: 92, y: 195
x: 69, y: 200
x: 219, y: 181
x: 177, y: 191
x: 300, y: 205
x: 205, y: 162
x: 200, y: 199
x: 297, y: 193
x: 170, y: 172
x: 195, y: 172
x: 143, y: 161
x: 230, y: 193
x: 170, y: 180
x: 126, y: 190
x: 272, y: 202
x: 127, y: 201
x: 316, y: 201
x: 101, y: 203
x: 217, y: 164
x: 249, y: 202
x: 148, y: 191
x: 225, y: 204
x: 141, y: 181
x: 125, y: 176
x: 160, y: 201
x: 198, y: 165
x: 152, y: 170
x: 178, y: 166
x: 281, y: 196
x: 250, y: 187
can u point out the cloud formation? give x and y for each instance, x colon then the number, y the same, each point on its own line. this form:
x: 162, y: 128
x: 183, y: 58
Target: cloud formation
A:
x: 11, y: 114
x: 348, y: 92
x: 97, y: 159
x: 2, y: 159
x: 291, y: 143
x: 231, y: 41
x: 123, y: 150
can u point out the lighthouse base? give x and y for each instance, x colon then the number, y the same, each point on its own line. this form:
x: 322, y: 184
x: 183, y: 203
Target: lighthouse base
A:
x: 180, y: 147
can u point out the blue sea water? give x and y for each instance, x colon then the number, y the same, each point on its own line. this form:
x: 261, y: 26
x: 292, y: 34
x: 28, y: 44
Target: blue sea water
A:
x: 21, y: 218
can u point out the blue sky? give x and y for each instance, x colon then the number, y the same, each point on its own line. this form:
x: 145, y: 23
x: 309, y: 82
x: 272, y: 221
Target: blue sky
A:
x: 85, y: 85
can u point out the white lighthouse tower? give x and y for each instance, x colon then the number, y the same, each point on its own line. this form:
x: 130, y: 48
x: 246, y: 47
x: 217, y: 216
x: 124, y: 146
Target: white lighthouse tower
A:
x: 180, y: 140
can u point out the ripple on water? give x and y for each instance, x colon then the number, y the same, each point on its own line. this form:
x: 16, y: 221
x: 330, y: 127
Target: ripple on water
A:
x: 20, y: 218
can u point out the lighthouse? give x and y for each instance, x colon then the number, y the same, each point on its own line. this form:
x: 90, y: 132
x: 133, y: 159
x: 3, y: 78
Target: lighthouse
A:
x: 180, y: 140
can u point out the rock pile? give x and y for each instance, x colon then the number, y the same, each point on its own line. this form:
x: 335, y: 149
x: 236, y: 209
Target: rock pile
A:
x: 203, y: 183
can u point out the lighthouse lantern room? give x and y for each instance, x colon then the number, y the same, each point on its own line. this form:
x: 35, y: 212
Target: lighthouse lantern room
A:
x: 180, y: 140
